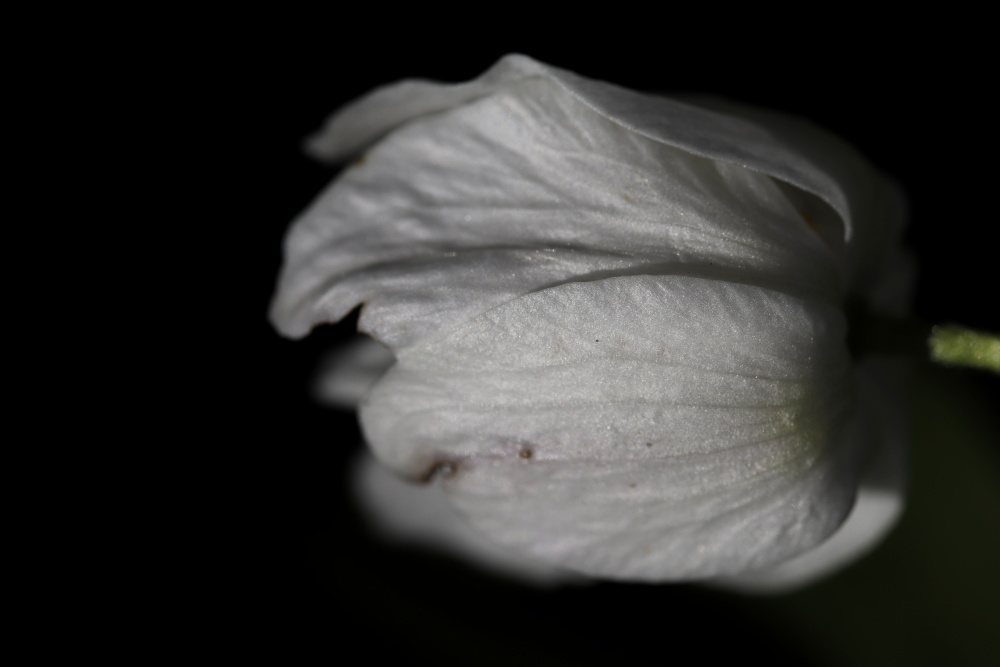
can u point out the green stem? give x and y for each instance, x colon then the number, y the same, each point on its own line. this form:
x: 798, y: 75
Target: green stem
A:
x: 948, y: 345
x: 954, y: 345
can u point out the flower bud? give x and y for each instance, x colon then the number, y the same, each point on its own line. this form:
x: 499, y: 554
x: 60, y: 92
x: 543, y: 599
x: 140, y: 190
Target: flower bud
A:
x: 617, y: 321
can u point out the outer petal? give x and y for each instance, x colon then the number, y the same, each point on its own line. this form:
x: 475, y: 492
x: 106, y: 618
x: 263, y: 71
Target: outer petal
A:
x: 537, y: 178
x: 781, y: 146
x: 645, y: 428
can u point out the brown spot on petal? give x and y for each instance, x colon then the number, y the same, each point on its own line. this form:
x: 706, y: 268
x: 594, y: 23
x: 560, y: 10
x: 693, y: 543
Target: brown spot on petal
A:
x: 526, y: 453
x: 443, y: 468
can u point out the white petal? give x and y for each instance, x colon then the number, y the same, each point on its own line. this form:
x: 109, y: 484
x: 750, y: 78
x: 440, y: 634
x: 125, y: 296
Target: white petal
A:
x: 420, y: 514
x: 639, y: 427
x: 362, y: 122
x: 784, y: 147
x: 546, y: 180
x: 881, y: 422
x: 347, y: 373
x: 779, y: 145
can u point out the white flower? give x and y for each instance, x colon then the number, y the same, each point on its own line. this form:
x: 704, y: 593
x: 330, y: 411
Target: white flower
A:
x: 617, y: 321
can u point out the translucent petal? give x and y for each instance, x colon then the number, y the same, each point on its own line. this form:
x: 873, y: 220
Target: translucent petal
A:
x: 459, y: 211
x: 784, y: 147
x: 638, y: 427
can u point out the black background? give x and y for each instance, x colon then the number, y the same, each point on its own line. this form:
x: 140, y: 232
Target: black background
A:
x: 282, y: 561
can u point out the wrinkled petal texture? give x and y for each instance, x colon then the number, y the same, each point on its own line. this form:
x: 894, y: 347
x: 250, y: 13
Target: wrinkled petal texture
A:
x: 530, y: 187
x: 638, y: 427
x: 616, y: 317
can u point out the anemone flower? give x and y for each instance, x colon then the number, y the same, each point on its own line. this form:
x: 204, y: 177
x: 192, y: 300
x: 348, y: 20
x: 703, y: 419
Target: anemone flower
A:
x: 616, y: 326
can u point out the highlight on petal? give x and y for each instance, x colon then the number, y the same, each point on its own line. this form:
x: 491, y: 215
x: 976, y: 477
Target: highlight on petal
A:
x: 640, y: 427
x: 461, y: 210
x: 761, y: 140
x: 789, y: 149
